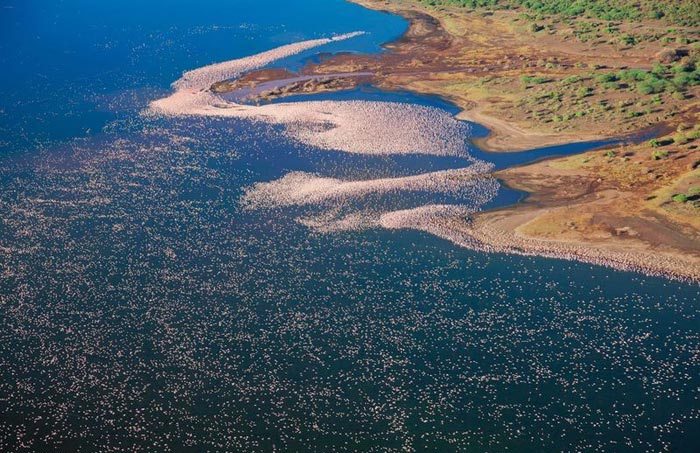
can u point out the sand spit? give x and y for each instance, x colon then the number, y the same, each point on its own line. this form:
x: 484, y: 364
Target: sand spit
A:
x: 206, y: 76
x: 352, y: 126
x: 494, y: 233
x: 495, y: 238
x: 303, y: 189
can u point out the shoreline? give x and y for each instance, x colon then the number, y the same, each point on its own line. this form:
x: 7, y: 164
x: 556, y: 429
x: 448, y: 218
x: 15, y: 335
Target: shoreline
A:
x: 505, y: 134
x: 537, y: 225
x: 501, y: 229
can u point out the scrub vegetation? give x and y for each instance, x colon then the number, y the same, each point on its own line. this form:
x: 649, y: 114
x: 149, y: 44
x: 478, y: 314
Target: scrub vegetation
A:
x: 683, y: 12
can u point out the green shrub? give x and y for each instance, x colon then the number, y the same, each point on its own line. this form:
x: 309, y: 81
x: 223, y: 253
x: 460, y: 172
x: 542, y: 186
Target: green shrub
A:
x: 658, y: 69
x: 628, y: 40
x: 680, y: 198
x: 680, y: 139
x: 607, y: 77
x: 584, y: 92
x: 534, y: 80
x: 659, y: 154
x: 651, y: 86
x: 656, y: 14
x: 686, y: 79
x: 632, y: 75
x: 683, y: 66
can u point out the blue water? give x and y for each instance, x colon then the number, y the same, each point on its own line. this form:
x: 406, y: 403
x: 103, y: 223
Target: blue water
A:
x: 63, y: 61
x: 141, y: 309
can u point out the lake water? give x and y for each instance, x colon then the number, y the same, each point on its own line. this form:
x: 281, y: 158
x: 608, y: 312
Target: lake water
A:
x: 142, y: 309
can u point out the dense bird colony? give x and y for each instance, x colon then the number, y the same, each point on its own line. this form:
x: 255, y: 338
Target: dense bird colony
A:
x: 470, y: 185
x: 351, y: 126
x: 148, y: 303
x: 374, y: 128
x: 203, y: 78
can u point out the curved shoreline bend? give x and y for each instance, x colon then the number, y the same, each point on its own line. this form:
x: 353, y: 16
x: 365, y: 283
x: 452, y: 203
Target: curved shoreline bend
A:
x: 497, y: 232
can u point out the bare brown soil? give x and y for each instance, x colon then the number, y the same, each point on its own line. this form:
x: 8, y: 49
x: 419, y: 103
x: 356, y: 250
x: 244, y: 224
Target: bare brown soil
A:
x: 610, y: 203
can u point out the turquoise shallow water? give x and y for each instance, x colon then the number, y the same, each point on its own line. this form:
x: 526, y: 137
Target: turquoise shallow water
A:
x: 142, y: 309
